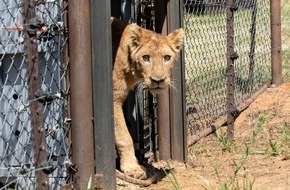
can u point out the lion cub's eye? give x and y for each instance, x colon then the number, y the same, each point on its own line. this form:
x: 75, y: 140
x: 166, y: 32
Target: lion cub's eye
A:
x: 167, y: 58
x: 146, y: 58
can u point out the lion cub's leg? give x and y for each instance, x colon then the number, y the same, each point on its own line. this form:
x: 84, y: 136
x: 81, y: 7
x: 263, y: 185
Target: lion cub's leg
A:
x: 125, y: 147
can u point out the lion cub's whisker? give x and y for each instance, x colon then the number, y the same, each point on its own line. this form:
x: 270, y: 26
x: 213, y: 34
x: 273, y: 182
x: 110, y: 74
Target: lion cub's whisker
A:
x: 172, y: 86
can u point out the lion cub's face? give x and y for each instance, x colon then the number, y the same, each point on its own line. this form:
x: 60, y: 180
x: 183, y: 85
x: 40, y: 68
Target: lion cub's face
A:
x: 153, y: 56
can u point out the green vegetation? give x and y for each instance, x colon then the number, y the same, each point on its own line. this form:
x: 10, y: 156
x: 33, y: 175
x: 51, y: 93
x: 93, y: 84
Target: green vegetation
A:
x: 170, y: 174
x: 237, y: 177
x: 285, y: 152
x: 233, y: 182
x: 226, y: 145
x: 259, y: 127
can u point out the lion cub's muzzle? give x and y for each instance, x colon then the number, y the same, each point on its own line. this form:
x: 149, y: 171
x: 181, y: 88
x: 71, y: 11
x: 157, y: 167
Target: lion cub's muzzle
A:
x: 157, y: 83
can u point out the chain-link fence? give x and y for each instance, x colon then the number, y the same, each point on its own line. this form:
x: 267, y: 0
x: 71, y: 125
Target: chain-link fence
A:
x: 285, y: 12
x: 206, y: 56
x: 206, y: 77
x: 17, y: 169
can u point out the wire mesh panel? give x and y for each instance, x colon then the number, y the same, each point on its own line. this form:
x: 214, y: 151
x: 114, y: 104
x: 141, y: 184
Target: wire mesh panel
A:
x: 206, y: 58
x: 16, y: 154
x: 285, y: 12
x: 145, y: 19
x: 252, y: 44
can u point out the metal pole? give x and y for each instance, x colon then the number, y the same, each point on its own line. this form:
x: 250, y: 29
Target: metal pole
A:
x: 230, y: 69
x: 252, y: 47
x: 177, y: 96
x: 81, y: 91
x: 276, y: 53
x: 34, y: 87
x: 163, y: 113
x: 171, y: 104
x: 103, y: 95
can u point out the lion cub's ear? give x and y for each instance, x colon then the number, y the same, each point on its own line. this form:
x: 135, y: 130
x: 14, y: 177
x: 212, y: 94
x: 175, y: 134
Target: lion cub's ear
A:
x: 134, y: 35
x: 176, y: 38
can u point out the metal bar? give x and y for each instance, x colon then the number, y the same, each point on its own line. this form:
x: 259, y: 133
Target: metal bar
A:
x: 171, y: 106
x: 163, y: 114
x: 252, y: 48
x: 276, y: 53
x: 81, y: 91
x: 103, y: 92
x: 177, y: 96
x: 34, y: 87
x: 230, y: 69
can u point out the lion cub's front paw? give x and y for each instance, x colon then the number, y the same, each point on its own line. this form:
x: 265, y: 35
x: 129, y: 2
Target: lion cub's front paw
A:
x: 135, y: 170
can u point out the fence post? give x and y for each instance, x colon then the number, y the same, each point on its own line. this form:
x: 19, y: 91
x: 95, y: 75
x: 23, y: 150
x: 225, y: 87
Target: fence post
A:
x: 163, y: 113
x: 276, y: 50
x: 105, y: 154
x: 231, y: 56
x: 252, y: 47
x: 81, y: 91
x: 177, y: 96
x: 34, y: 87
x: 171, y: 104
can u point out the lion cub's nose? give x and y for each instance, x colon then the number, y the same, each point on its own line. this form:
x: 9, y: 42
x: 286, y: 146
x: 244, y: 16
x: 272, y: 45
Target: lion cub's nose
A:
x: 158, y: 80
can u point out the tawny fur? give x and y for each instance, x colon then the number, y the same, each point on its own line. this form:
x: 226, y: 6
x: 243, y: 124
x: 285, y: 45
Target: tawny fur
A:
x: 140, y: 56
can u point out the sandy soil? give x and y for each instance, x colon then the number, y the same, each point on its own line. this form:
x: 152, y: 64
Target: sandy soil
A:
x: 258, y: 158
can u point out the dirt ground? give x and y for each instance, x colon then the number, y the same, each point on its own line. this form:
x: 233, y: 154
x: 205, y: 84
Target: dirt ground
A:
x: 258, y: 158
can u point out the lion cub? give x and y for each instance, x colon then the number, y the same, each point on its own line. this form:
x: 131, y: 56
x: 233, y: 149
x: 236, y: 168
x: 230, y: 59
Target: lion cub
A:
x: 140, y: 56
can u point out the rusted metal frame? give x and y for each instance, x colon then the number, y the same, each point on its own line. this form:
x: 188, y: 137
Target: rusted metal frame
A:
x: 230, y: 100
x: 163, y: 113
x: 177, y: 95
x: 103, y: 95
x: 81, y: 91
x: 223, y: 120
x: 276, y: 48
x: 252, y: 48
x: 34, y: 88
